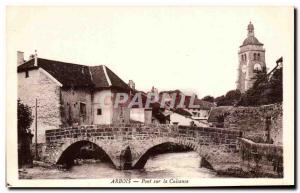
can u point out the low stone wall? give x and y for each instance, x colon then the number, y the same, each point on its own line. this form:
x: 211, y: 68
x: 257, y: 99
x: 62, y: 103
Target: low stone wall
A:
x: 261, y: 159
x: 252, y: 121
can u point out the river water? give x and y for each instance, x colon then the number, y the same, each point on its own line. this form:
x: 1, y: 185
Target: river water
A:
x: 168, y: 165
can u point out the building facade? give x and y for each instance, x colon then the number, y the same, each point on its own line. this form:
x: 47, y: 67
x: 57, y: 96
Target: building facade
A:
x: 251, y: 60
x: 65, y: 94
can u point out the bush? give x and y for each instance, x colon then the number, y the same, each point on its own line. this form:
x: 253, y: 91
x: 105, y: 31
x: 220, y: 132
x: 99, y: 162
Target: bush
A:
x: 24, y: 134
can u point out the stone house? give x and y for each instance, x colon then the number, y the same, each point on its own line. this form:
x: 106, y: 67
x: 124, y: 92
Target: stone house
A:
x: 71, y: 94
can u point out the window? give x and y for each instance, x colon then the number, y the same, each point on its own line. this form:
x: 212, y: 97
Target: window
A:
x: 82, y: 112
x: 245, y: 57
x: 254, y: 56
x: 82, y: 109
x: 26, y: 74
x: 258, y: 56
x: 99, y: 111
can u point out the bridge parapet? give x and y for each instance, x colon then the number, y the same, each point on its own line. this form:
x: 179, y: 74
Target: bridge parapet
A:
x: 216, y: 145
x: 261, y: 158
x: 139, y: 131
x: 109, y: 132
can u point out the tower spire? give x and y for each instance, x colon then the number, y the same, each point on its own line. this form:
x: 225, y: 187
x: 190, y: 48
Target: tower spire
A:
x: 250, y: 29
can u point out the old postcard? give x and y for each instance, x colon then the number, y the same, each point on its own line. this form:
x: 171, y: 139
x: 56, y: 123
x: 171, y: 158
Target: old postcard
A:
x: 155, y: 96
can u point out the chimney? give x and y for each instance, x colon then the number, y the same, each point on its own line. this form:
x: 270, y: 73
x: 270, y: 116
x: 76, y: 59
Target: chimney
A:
x: 20, y: 58
x: 35, y: 58
x: 131, y: 84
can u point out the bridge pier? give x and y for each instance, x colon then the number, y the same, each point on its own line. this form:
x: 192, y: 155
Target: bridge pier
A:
x: 125, y: 145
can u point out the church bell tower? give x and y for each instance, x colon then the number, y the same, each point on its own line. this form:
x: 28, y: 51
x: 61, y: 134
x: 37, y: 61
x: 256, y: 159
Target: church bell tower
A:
x: 251, y: 60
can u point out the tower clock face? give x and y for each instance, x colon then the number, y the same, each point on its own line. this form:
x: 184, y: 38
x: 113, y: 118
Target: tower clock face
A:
x: 257, y: 67
x: 244, y: 68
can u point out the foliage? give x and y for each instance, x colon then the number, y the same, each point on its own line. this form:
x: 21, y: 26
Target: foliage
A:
x: 231, y: 98
x: 220, y: 100
x: 209, y: 98
x: 24, y: 134
x: 264, y: 91
x: 221, y: 118
x: 24, y: 118
x: 275, y: 85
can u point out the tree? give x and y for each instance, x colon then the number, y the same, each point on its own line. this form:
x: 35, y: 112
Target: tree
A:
x: 220, y: 100
x: 24, y: 134
x: 264, y: 91
x: 221, y: 118
x: 257, y: 94
x: 275, y: 86
x: 231, y: 98
x: 24, y: 117
x: 209, y: 98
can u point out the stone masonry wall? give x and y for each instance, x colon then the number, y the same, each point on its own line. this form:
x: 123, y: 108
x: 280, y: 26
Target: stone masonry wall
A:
x: 39, y: 86
x: 252, y: 122
x: 218, y: 146
x: 70, y: 106
x: 261, y: 159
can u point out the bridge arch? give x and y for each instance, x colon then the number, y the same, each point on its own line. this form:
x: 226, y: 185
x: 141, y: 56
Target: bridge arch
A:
x: 217, y: 146
x: 70, y: 150
x: 143, y: 157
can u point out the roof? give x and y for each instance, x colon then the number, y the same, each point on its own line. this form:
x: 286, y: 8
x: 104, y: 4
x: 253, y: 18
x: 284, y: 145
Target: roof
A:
x: 251, y: 40
x: 69, y: 74
x: 182, y: 112
x: 98, y: 76
x: 217, y: 111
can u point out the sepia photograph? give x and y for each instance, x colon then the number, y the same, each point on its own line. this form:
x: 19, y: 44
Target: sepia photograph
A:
x: 150, y: 96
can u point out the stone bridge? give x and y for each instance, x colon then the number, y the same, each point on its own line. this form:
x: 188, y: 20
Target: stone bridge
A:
x: 217, y: 147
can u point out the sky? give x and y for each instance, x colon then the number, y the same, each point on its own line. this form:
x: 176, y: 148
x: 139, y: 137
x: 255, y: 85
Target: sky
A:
x: 193, y: 49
